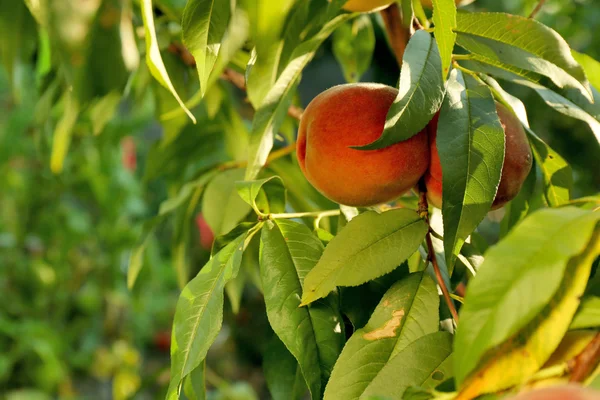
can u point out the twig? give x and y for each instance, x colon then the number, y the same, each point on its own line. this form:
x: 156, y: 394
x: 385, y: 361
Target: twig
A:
x: 229, y: 74
x: 234, y: 77
x: 317, y: 214
x: 239, y: 81
x: 537, y: 8
x: 584, y: 363
x: 424, y: 213
x: 397, y: 33
x: 182, y: 52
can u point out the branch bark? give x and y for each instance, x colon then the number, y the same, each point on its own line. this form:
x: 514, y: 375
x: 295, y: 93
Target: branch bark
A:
x: 424, y: 213
x: 397, y: 32
x: 239, y: 81
x: 537, y: 8
x: 584, y: 363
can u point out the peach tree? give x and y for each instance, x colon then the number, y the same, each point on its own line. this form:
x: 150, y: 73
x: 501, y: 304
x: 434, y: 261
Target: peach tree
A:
x: 370, y: 302
x: 366, y: 247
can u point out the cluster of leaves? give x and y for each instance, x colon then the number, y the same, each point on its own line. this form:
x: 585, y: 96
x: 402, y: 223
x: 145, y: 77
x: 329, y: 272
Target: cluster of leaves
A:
x: 352, y: 300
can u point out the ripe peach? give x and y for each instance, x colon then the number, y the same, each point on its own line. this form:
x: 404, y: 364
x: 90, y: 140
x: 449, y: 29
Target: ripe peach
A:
x: 354, y: 115
x: 206, y: 234
x: 516, y: 167
x: 566, y: 392
x: 366, y: 5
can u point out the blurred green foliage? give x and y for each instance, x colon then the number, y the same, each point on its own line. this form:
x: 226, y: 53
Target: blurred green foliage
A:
x: 68, y: 324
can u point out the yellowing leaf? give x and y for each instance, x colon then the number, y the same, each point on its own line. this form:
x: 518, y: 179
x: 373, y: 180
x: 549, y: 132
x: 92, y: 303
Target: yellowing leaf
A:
x: 530, y: 348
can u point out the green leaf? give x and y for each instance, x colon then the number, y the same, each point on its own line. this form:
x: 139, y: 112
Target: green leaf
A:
x: 370, y: 246
x: 17, y: 41
x: 199, y: 312
x: 233, y: 40
x: 173, y: 203
x: 314, y: 335
x: 421, y: 92
x: 194, y: 386
x: 557, y: 176
x: 470, y: 143
x: 222, y: 207
x: 426, y: 362
x: 588, y: 314
x: 274, y: 108
x: 282, y: 372
x: 524, y: 43
x: 511, y: 102
x: 590, y: 66
x: 420, y: 14
x: 359, y: 302
x: 62, y: 134
x: 267, y: 20
x: 235, y: 290
x: 444, y: 19
x: 407, y: 311
x: 103, y: 111
x: 505, y: 294
x: 204, y: 23
x: 136, y: 260
x: 353, y: 46
x: 563, y: 105
x: 533, y: 346
x: 265, y: 196
x: 153, y: 57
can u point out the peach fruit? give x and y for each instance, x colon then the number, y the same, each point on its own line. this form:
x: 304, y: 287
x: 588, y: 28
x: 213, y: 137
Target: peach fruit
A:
x: 565, y: 392
x: 516, y: 167
x: 354, y: 115
x: 366, y: 5
x: 206, y: 234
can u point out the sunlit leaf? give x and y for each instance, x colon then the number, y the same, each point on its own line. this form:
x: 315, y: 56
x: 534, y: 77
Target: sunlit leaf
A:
x: 420, y: 92
x: 371, y: 245
x: 524, y: 43
x: 556, y: 173
x: 407, y: 311
x: 505, y: 295
x: 470, y: 143
x: 426, y: 362
x: 153, y: 57
x: 444, y: 18
x: 264, y: 196
x: 590, y: 66
x: 204, y: 23
x: 588, y: 314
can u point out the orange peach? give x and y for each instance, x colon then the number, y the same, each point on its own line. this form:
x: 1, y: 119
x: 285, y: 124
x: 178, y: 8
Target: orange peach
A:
x: 516, y: 167
x: 354, y: 115
x: 566, y: 392
x: 366, y: 5
x: 206, y: 234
